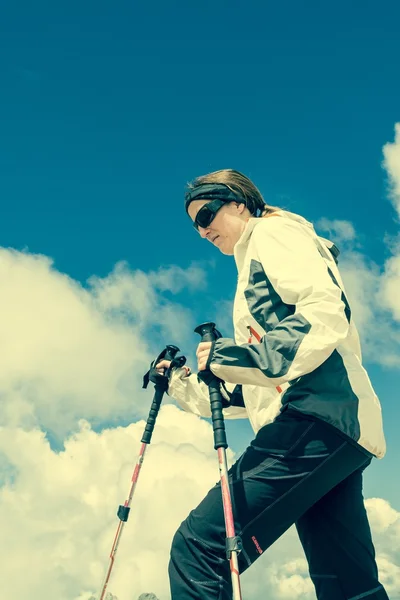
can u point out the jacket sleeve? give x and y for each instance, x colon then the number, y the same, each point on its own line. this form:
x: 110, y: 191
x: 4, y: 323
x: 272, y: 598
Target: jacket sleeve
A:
x: 192, y: 395
x: 318, y: 321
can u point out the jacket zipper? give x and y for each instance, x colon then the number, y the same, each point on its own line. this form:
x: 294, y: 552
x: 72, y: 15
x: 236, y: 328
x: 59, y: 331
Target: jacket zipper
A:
x: 254, y: 333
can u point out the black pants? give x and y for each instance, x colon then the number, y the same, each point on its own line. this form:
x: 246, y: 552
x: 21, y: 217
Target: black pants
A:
x: 296, y: 471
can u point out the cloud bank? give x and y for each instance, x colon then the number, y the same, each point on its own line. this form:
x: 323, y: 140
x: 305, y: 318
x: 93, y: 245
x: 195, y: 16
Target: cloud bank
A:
x: 58, y: 514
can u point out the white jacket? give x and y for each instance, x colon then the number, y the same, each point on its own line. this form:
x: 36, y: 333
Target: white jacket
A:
x: 295, y: 341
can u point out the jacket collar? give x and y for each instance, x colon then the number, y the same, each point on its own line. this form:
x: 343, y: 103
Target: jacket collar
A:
x: 241, y: 245
x: 239, y: 250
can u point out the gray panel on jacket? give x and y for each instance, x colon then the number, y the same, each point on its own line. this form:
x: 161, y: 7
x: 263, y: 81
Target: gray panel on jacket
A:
x: 265, y: 304
x: 347, y: 310
x: 327, y: 393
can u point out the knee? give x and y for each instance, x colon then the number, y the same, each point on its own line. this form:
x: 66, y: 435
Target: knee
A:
x: 178, y: 543
x: 189, y: 545
x: 181, y: 546
x: 194, y: 567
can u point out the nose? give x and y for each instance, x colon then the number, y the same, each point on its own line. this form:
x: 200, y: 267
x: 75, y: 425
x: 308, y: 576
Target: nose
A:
x: 203, y: 231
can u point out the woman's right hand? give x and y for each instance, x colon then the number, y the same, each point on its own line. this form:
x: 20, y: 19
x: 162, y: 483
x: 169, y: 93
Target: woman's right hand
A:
x: 162, y: 366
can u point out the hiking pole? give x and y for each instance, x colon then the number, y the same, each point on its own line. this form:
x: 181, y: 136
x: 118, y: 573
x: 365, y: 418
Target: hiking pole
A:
x: 161, y: 386
x: 233, y: 542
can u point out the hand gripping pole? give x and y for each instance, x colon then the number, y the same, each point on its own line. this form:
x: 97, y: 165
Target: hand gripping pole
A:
x: 208, y: 333
x: 161, y: 386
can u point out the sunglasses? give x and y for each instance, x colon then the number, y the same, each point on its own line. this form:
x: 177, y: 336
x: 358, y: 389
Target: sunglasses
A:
x: 207, y: 213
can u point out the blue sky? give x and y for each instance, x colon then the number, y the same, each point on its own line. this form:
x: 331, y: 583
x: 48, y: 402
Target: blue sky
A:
x: 108, y: 110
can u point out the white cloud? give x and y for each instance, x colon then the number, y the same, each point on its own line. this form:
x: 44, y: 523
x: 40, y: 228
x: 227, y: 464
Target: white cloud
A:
x: 364, y: 283
x: 385, y: 524
x: 391, y: 153
x: 174, y: 278
x: 69, y: 352
x: 343, y: 230
x: 73, y: 354
x: 389, y: 575
x: 134, y: 297
x: 58, y: 514
x: 383, y: 516
x: 373, y: 293
x: 282, y: 570
x: 390, y: 286
x: 373, y: 290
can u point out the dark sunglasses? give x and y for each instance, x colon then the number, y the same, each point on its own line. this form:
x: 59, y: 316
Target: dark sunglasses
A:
x: 207, y: 213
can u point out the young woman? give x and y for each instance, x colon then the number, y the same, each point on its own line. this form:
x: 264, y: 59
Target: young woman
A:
x: 294, y: 370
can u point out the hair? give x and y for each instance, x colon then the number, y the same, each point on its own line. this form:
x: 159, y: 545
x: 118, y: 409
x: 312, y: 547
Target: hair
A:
x: 239, y: 184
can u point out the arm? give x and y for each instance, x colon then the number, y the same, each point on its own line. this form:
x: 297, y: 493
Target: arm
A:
x: 303, y: 340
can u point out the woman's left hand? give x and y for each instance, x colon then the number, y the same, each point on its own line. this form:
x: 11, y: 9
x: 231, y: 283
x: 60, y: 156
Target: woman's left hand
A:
x: 202, y: 353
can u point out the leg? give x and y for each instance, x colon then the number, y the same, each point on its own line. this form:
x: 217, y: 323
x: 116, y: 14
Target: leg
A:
x: 337, y: 541
x: 289, y: 466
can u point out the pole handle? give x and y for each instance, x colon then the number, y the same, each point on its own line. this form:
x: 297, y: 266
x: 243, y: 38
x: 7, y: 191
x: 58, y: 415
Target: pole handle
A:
x: 217, y: 415
x: 154, y: 410
x: 169, y: 354
x: 209, y: 333
x: 161, y: 386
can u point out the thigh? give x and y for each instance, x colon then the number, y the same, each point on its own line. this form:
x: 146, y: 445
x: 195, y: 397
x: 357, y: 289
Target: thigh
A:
x: 289, y: 466
x: 336, y: 538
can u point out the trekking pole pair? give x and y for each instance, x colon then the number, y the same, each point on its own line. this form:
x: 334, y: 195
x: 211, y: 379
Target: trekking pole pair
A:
x: 208, y: 333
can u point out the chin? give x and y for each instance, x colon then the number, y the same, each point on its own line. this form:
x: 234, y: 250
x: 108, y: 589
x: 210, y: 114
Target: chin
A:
x: 227, y: 252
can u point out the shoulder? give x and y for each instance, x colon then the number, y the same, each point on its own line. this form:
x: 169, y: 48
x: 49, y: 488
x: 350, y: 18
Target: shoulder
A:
x: 281, y: 223
x: 289, y: 237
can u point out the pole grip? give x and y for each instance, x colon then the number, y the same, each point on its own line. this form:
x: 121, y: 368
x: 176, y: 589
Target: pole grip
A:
x: 154, y: 410
x: 217, y: 415
x: 161, y: 386
x: 209, y: 333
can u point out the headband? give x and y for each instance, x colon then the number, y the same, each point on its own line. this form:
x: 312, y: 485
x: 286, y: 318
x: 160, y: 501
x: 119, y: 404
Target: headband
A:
x: 212, y: 191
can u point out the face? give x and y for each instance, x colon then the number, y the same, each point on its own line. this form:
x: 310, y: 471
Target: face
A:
x: 226, y: 227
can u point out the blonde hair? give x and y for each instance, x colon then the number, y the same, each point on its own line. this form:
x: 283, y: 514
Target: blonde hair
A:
x: 239, y: 184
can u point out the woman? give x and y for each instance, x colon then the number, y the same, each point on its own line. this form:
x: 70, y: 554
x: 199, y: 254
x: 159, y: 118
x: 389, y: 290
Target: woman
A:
x: 294, y: 370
